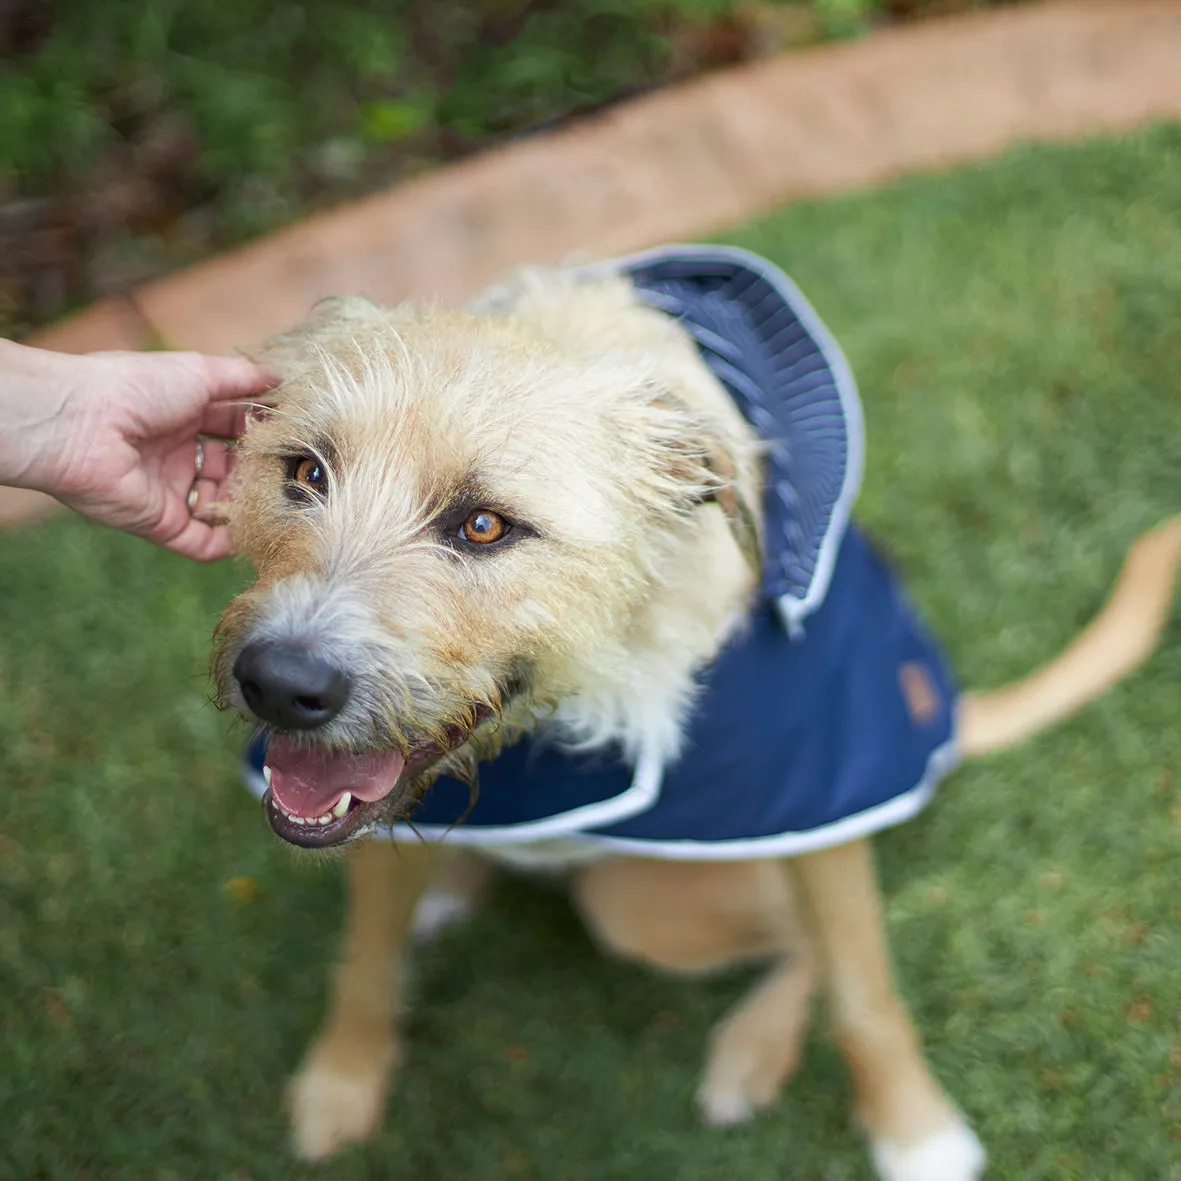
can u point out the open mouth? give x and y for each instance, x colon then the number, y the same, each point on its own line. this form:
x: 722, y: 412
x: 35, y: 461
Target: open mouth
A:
x: 318, y: 796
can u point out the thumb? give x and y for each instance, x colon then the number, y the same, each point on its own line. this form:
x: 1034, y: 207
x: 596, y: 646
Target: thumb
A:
x: 227, y: 378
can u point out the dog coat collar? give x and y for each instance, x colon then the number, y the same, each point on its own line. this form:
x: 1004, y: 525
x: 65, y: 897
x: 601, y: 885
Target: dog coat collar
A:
x: 763, y: 341
x: 801, y: 737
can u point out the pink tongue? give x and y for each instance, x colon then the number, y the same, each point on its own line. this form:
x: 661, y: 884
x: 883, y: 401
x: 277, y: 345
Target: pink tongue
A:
x: 308, y: 781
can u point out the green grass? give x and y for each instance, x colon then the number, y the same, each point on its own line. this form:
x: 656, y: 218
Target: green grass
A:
x: 1016, y: 333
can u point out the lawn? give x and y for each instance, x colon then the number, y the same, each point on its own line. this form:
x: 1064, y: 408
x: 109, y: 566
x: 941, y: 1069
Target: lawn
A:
x: 1015, y: 328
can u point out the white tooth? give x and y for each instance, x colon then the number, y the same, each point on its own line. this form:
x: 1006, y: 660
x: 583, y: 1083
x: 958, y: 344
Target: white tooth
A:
x: 324, y: 819
x: 298, y: 819
x: 342, y: 805
x: 266, y: 774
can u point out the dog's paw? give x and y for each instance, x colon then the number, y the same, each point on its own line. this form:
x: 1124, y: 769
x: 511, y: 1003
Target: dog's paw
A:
x: 439, y: 909
x: 337, y: 1098
x: 951, y: 1154
x: 744, y: 1074
x: 722, y: 1108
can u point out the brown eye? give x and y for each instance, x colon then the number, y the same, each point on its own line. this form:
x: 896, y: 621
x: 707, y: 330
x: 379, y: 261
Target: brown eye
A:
x: 309, y: 472
x: 484, y: 527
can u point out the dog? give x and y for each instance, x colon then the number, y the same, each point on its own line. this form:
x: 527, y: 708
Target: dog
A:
x: 567, y: 580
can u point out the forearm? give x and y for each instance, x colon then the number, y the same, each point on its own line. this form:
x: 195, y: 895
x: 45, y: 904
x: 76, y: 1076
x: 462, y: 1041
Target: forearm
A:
x: 35, y: 395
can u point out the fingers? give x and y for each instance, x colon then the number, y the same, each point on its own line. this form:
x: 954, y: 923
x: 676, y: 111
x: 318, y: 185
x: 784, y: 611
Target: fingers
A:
x: 203, y: 499
x: 228, y: 378
x: 217, y: 459
x: 194, y: 519
x: 217, y: 387
x: 224, y: 420
x: 231, y: 382
x: 201, y: 541
x: 202, y: 535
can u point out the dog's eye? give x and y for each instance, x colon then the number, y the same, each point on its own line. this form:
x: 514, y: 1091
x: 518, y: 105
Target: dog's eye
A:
x: 308, y: 471
x: 484, y: 527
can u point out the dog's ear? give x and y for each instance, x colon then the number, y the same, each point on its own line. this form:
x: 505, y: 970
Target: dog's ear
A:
x: 291, y: 352
x: 740, y: 516
x: 698, y: 464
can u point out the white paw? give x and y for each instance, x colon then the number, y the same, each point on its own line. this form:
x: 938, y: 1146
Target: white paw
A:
x: 722, y: 1108
x: 332, y: 1106
x: 951, y: 1154
x: 743, y: 1074
x: 438, y: 909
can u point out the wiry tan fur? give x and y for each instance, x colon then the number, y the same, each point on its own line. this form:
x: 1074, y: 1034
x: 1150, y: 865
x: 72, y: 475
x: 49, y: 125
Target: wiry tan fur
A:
x: 622, y: 596
x: 570, y: 406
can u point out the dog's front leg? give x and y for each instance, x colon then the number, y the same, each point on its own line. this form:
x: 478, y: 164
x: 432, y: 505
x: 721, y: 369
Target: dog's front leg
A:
x: 338, y: 1095
x: 916, y: 1132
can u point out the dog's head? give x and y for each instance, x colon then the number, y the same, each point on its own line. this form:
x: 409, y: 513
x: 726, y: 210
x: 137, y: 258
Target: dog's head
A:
x: 465, y: 525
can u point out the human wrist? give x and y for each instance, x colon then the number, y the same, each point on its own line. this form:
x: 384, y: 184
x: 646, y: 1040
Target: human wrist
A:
x: 36, y: 388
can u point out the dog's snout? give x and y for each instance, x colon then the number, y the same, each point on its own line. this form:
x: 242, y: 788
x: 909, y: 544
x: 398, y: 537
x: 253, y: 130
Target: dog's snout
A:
x: 289, y: 687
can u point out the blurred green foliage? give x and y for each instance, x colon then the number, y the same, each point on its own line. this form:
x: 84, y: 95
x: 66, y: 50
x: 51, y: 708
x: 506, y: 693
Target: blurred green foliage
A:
x: 258, y: 83
x: 140, y: 135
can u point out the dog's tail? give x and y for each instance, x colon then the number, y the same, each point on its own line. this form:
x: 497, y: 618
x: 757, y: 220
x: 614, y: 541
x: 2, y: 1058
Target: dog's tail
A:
x: 1115, y: 643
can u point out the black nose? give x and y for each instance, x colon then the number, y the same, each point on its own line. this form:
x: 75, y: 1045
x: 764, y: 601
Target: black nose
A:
x: 289, y: 687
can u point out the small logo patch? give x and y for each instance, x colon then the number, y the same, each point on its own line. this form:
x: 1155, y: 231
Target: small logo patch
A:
x: 922, y: 698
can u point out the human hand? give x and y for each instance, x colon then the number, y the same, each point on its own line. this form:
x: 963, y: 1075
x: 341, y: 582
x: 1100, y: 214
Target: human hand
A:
x: 115, y: 436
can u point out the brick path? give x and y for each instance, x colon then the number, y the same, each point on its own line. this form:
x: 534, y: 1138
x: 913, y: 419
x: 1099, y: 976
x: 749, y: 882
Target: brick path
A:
x: 676, y: 165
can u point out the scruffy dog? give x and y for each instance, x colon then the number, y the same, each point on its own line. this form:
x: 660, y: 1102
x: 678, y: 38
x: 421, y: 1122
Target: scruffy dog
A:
x: 568, y: 579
